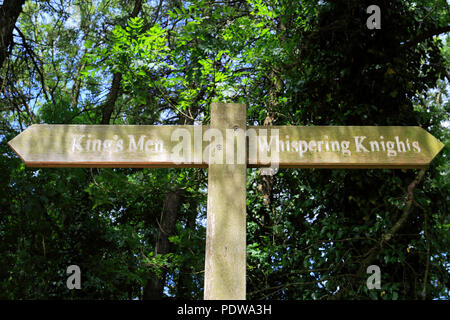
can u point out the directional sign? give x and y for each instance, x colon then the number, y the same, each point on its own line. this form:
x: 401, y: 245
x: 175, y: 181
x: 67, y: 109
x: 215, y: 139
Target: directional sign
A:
x: 100, y: 145
x: 226, y: 148
x: 196, y: 146
x: 351, y: 146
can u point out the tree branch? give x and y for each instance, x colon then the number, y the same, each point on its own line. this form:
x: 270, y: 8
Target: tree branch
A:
x: 425, y: 35
x: 388, y: 236
x: 31, y: 54
x: 108, y: 106
x: 373, y: 252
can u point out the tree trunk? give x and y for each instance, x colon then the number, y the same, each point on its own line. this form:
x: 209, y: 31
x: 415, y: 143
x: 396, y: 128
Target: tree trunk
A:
x: 153, y: 289
x: 265, y: 186
x: 9, y: 12
x: 108, y: 106
x: 184, y: 285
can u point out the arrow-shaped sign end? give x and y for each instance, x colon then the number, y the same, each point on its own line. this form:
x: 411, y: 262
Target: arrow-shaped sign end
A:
x: 435, y: 146
x: 16, y: 144
x: 14, y: 147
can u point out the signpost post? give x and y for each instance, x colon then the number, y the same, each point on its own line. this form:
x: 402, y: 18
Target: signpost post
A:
x: 226, y: 147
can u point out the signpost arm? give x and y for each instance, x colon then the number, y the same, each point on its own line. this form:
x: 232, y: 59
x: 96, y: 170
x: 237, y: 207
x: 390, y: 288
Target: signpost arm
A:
x: 225, y: 260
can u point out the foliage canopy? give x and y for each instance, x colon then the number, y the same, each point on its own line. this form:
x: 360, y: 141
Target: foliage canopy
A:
x: 311, y: 234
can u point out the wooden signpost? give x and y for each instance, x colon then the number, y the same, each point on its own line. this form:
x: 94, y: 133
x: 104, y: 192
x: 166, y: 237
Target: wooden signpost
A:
x: 226, y: 147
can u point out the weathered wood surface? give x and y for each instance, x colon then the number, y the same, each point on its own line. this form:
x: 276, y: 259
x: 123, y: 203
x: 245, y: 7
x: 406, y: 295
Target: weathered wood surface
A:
x: 351, y: 147
x: 225, y: 254
x: 188, y: 146
x: 102, y: 146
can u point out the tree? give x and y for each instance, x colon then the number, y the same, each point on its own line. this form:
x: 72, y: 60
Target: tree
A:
x: 139, y: 233
x: 9, y: 12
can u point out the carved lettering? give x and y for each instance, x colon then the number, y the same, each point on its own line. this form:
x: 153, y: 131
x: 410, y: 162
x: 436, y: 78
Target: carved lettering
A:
x: 263, y: 146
